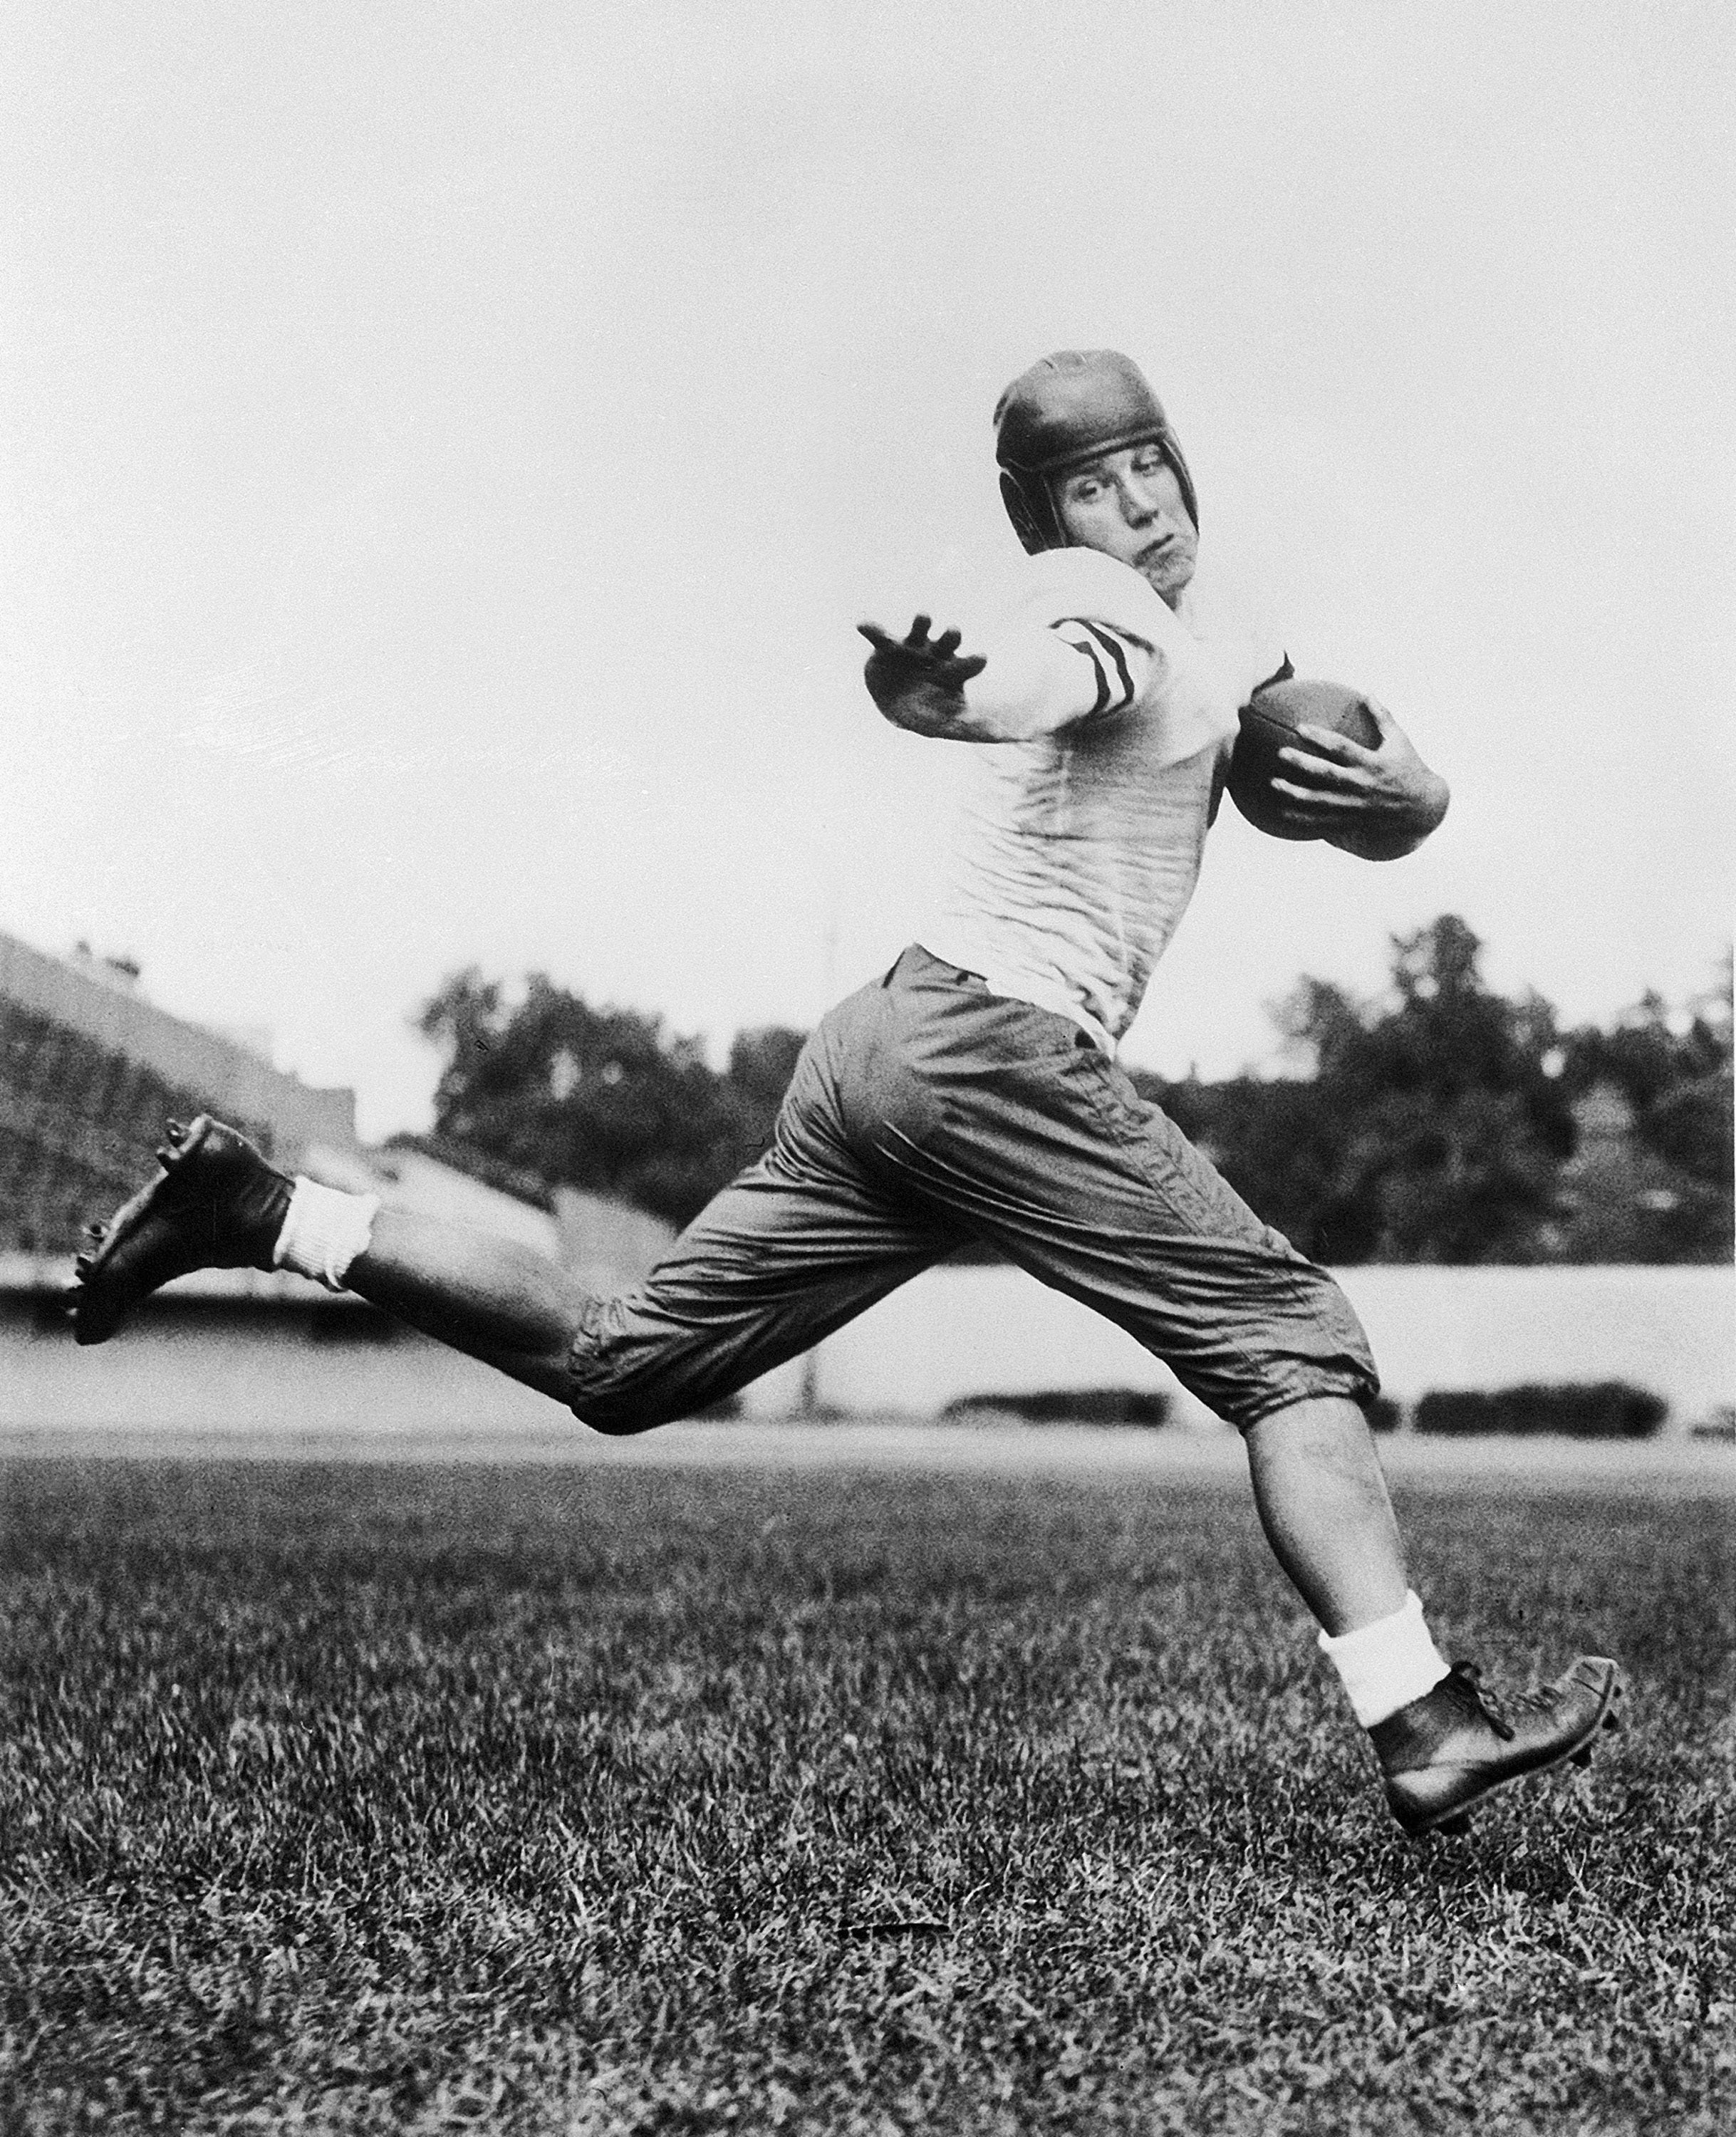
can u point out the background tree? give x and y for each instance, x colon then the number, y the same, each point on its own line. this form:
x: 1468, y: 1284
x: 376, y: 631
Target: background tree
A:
x: 1432, y: 1127
x: 1439, y: 1122
x: 603, y: 1099
x: 1663, y: 1192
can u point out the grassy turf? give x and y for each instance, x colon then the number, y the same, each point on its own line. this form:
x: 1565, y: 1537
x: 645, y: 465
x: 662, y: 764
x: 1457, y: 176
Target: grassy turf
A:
x: 414, y: 1799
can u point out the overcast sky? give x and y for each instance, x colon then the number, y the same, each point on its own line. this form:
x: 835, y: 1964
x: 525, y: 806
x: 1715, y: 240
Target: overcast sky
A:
x: 448, y: 449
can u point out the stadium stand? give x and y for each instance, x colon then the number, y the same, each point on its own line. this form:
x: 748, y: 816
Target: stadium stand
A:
x: 90, y: 1072
x: 77, y: 1121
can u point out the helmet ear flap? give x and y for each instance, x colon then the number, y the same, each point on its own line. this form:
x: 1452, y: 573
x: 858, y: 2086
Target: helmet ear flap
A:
x: 1028, y: 517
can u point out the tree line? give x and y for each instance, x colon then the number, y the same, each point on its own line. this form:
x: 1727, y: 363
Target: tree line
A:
x: 1438, y: 1122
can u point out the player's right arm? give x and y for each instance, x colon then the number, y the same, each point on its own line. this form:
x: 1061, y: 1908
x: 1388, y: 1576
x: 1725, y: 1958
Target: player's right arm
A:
x: 1031, y: 682
x: 1379, y: 804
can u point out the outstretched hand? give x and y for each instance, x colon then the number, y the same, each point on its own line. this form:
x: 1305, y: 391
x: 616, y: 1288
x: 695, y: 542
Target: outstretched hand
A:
x: 918, y: 681
x: 1380, y: 802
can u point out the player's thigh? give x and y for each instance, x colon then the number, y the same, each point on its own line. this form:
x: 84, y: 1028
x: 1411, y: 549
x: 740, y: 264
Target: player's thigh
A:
x: 1099, y: 1194
x: 778, y: 1260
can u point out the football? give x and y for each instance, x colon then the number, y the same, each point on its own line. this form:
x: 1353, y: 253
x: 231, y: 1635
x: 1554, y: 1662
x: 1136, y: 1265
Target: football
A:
x: 1269, y: 720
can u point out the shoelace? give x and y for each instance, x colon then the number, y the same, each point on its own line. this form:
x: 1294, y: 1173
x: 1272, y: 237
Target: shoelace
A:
x: 1469, y: 1677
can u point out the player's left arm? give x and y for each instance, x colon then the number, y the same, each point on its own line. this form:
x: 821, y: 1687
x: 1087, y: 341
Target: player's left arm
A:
x: 1378, y: 804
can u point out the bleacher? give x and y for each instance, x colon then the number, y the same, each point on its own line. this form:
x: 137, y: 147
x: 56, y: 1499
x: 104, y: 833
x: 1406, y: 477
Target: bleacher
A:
x: 78, y: 1123
x: 90, y: 1072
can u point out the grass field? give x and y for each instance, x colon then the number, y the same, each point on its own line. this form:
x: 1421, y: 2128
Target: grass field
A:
x: 538, y: 1799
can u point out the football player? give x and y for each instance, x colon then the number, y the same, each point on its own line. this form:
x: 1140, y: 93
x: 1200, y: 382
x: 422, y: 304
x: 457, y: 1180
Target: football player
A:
x: 973, y: 1092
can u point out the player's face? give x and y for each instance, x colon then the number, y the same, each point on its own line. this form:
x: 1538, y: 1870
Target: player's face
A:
x: 1129, y: 504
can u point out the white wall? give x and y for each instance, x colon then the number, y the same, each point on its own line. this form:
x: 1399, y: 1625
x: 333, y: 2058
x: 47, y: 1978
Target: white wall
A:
x: 258, y: 1371
x: 257, y: 1366
x: 956, y: 1332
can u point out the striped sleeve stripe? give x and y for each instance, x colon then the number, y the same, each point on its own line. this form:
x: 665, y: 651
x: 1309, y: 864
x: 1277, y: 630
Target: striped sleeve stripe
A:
x: 1115, y: 682
x: 1096, y: 659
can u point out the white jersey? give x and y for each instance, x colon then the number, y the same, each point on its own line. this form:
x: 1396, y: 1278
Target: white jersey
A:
x: 1110, y: 718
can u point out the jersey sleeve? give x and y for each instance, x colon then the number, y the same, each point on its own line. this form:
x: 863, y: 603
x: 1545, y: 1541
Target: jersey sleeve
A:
x: 1119, y: 662
x: 1038, y: 679
x: 1082, y: 645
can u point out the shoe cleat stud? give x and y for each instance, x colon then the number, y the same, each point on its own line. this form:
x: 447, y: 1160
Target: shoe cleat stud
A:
x: 1582, y: 1757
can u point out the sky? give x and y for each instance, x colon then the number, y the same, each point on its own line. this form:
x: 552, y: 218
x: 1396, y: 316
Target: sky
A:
x: 448, y: 448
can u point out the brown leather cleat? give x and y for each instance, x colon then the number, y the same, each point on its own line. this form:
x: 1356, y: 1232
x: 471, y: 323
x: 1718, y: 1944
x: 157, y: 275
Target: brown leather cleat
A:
x: 216, y: 1204
x: 1444, y: 1753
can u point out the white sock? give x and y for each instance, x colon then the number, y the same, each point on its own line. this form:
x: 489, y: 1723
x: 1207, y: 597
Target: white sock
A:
x: 323, y: 1232
x: 1388, y: 1664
